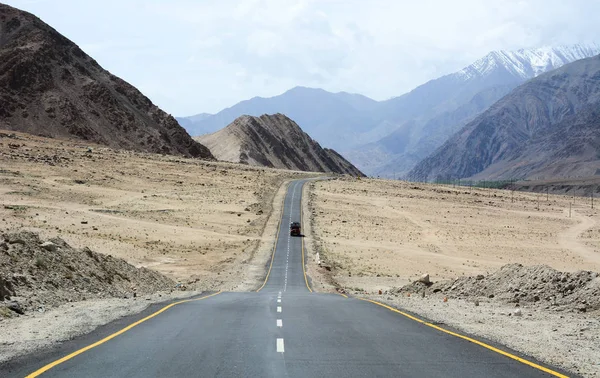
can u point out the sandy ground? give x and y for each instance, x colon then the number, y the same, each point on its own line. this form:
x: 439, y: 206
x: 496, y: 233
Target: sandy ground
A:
x: 378, y: 234
x: 200, y: 223
x: 389, y: 233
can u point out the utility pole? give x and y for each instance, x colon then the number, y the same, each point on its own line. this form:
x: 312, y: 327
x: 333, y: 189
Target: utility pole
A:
x: 547, y: 193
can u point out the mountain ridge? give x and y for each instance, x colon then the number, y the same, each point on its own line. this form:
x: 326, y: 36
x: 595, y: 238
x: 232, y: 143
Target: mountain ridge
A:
x: 50, y: 87
x: 442, y: 106
x: 316, y: 108
x: 545, y: 127
x: 274, y: 141
x: 362, y: 128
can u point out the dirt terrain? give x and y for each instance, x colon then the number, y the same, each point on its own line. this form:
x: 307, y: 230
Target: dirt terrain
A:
x: 513, y: 259
x: 378, y: 234
x: 581, y: 187
x: 199, y: 223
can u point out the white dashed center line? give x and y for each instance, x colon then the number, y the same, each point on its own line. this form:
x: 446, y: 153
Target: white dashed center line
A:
x: 278, y: 308
x: 280, y: 348
x: 278, y: 300
x: 279, y: 323
x: 287, y: 257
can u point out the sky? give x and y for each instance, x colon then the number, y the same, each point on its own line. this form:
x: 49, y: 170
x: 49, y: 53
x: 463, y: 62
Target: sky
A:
x: 199, y: 56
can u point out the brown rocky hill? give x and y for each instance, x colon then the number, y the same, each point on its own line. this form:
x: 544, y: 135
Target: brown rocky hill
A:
x: 546, y: 128
x: 274, y: 141
x: 50, y: 87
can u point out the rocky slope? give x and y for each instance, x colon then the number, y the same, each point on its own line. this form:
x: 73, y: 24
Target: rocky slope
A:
x: 547, y: 127
x: 50, y: 87
x: 274, y: 141
x: 37, y: 274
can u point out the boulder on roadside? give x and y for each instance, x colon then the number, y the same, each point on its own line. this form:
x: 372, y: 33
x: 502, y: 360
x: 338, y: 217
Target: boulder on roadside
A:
x: 14, y: 306
x: 6, y: 289
x: 424, y: 279
x: 518, y: 312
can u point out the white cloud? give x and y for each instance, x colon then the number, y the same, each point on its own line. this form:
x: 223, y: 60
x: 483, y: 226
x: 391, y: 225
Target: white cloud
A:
x: 194, y: 56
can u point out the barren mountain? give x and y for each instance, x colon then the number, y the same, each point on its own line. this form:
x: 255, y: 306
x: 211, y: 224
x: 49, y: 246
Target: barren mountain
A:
x: 430, y: 114
x: 547, y: 127
x: 50, y: 87
x: 274, y: 141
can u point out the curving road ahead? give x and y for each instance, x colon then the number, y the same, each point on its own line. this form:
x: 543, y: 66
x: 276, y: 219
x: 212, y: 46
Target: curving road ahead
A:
x: 282, y: 330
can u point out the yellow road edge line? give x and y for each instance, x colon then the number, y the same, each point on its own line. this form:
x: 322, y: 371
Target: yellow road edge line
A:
x: 302, y: 223
x: 109, y: 337
x: 474, y: 341
x: 276, y: 239
x: 343, y: 295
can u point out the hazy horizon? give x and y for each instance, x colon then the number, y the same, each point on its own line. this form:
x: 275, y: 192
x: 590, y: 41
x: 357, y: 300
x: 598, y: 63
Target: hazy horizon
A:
x: 192, y: 57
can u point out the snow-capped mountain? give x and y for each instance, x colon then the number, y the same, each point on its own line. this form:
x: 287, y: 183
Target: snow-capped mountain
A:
x: 545, y: 128
x: 528, y: 63
x: 428, y: 115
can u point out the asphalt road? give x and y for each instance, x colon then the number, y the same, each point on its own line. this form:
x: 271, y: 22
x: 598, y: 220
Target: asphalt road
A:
x: 283, y: 330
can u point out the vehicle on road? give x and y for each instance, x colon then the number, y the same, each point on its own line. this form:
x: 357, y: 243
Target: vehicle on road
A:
x: 295, y: 229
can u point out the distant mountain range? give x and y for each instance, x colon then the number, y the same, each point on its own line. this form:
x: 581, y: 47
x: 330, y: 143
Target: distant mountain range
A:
x: 546, y: 128
x: 430, y: 114
x: 274, y: 141
x: 388, y: 138
x: 50, y: 87
x: 334, y: 119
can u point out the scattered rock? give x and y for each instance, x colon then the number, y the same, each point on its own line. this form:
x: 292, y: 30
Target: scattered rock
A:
x: 517, y: 312
x: 15, y: 307
x: 425, y: 279
x: 49, y: 246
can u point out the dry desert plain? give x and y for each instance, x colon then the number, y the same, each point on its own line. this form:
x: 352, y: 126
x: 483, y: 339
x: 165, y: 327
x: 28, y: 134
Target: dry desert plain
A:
x: 200, y: 223
x: 379, y: 234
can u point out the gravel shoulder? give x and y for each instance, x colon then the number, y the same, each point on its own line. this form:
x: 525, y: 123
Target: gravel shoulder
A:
x: 567, y: 340
x: 36, y: 330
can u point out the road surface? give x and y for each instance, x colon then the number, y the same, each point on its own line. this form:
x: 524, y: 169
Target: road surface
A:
x: 281, y: 330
